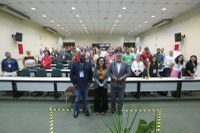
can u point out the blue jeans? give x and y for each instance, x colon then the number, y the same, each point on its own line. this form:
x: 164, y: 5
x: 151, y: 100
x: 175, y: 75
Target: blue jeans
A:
x: 81, y: 92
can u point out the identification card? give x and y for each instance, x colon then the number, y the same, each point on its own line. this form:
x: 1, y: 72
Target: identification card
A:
x: 81, y: 74
x: 147, y: 59
x: 9, y: 65
x: 154, y: 71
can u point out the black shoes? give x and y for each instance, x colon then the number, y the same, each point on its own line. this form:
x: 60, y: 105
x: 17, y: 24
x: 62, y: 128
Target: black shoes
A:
x: 120, y: 112
x: 86, y: 112
x: 75, y: 114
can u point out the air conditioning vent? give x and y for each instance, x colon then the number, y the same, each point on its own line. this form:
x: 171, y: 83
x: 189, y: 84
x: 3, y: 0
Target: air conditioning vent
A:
x: 14, y: 12
x: 162, y: 23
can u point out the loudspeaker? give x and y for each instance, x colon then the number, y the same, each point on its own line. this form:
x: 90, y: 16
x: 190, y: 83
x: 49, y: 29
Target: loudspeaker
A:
x: 18, y: 37
x: 177, y: 37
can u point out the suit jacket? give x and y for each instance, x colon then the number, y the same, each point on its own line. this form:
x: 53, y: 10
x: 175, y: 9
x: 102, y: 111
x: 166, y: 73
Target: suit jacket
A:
x: 96, y: 79
x: 124, y: 72
x: 74, y: 74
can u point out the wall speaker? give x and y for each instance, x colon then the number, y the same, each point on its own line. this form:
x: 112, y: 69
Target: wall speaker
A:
x: 18, y: 37
x: 178, y: 37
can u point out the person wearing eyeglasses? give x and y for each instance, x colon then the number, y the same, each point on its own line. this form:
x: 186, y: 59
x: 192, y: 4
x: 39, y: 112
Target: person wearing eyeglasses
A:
x: 100, y: 76
x: 118, y: 71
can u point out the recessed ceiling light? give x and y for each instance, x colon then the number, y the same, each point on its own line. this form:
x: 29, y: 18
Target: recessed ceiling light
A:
x: 153, y: 16
x: 115, y: 25
x: 164, y: 9
x: 77, y: 16
x: 44, y: 16
x: 73, y: 8
x: 124, y: 8
x: 128, y: 33
x: 139, y: 26
x: 113, y: 28
x: 62, y: 28
x: 120, y: 16
x: 85, y: 28
x: 33, y: 8
x: 58, y: 25
x: 82, y: 25
x: 52, y: 21
x: 131, y: 31
x: 145, y: 22
x: 116, y: 21
x: 66, y: 31
x: 80, y: 21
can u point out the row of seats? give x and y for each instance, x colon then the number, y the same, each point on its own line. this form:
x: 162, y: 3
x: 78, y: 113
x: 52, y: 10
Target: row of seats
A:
x: 41, y: 73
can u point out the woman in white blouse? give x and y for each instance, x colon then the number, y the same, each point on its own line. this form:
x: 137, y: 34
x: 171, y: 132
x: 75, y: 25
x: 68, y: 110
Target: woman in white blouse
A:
x: 177, y: 67
x: 137, y: 67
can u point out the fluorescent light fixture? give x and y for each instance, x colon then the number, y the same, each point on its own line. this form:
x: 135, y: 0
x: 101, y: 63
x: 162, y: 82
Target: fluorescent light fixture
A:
x: 14, y: 12
x: 113, y: 28
x: 50, y: 29
x: 77, y: 16
x: 44, y: 16
x: 145, y: 22
x: 58, y: 25
x: 153, y: 16
x: 73, y: 8
x: 85, y: 28
x: 83, y: 25
x: 164, y: 9
x: 162, y: 23
x: 62, y: 28
x: 115, y: 25
x: 124, y: 8
x: 80, y: 21
x: 52, y: 21
x: 139, y: 26
x: 116, y: 21
x: 32, y: 8
x: 119, y: 15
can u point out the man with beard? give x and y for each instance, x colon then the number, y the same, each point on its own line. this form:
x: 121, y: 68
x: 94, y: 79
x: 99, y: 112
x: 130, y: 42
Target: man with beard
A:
x: 118, y: 71
x: 81, y: 77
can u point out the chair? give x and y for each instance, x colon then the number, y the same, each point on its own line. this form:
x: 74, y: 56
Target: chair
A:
x: 56, y: 73
x: 54, y: 61
x: 24, y: 73
x: 70, y: 98
x: 41, y: 73
x: 59, y: 65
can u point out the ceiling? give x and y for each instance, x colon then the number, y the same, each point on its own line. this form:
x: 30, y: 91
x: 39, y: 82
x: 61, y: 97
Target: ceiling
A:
x: 101, y: 16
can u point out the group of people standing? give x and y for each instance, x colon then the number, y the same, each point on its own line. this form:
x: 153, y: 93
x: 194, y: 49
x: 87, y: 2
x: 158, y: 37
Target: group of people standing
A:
x: 81, y: 76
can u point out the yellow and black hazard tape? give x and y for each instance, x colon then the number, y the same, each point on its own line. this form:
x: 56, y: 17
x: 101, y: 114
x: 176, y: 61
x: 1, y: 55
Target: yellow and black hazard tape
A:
x: 51, y: 119
x: 124, y: 110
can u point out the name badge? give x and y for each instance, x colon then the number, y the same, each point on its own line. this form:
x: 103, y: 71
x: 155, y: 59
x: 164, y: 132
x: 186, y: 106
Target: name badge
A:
x: 110, y: 61
x: 9, y: 65
x: 154, y: 71
x: 63, y: 57
x: 147, y: 59
x: 195, y: 69
x: 81, y: 74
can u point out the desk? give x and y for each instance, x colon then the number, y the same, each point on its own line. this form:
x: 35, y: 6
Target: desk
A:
x: 65, y: 66
x: 138, y: 85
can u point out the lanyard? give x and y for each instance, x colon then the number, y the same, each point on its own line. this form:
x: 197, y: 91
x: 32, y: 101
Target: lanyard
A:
x: 8, y: 61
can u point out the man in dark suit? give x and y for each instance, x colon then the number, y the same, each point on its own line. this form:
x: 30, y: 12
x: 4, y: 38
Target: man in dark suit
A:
x: 81, y: 77
x: 118, y: 71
